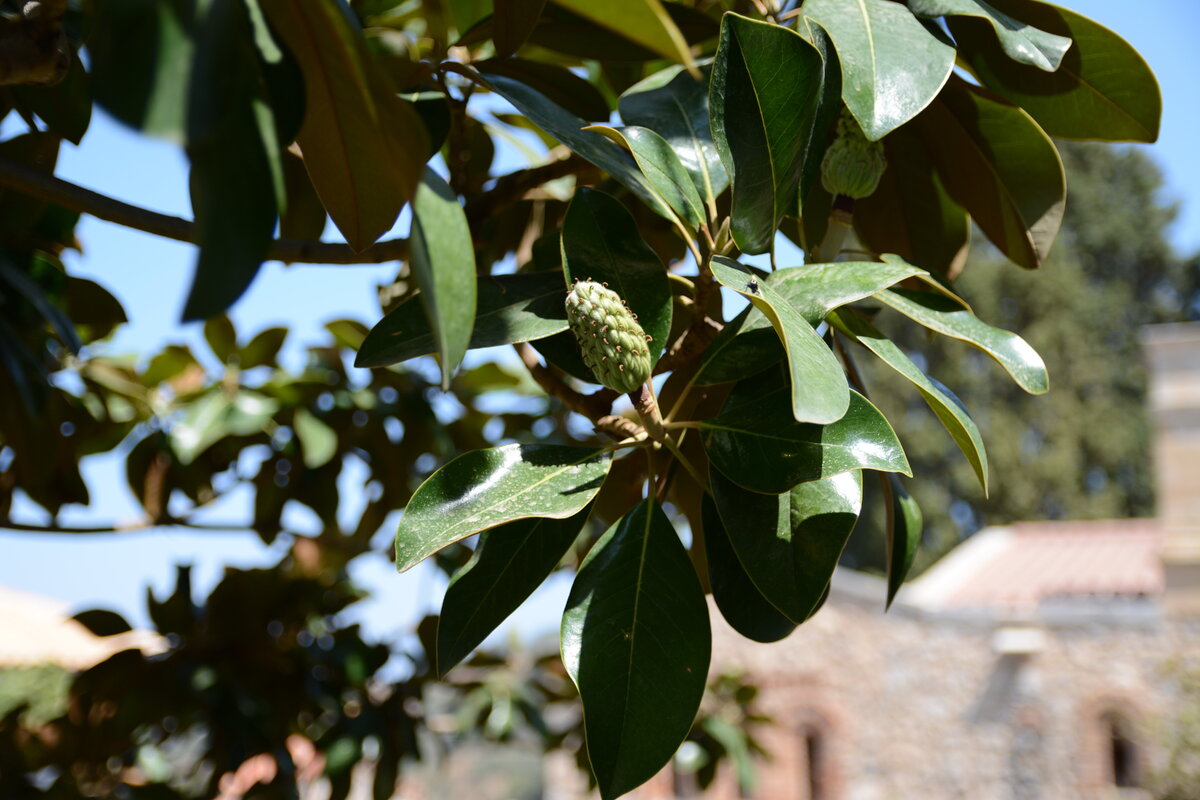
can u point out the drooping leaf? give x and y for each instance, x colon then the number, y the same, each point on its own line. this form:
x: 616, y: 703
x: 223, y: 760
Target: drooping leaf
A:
x: 318, y: 441
x: 510, y: 308
x: 636, y: 641
x: 509, y: 563
x: 569, y: 129
x: 662, y: 168
x: 1021, y: 42
x: 1103, y: 89
x: 892, y: 65
x: 789, y: 544
x: 557, y: 84
x: 943, y: 315
x: 758, y: 445
x: 998, y: 164
x: 738, y: 599
x: 674, y: 104
x: 485, y: 488
x: 941, y: 401
x: 601, y: 242
x: 643, y: 21
x: 764, y: 95
x: 904, y: 533
x: 820, y: 393
x: 364, y: 147
x: 749, y: 344
x: 443, y: 262
x: 512, y: 22
x: 911, y: 213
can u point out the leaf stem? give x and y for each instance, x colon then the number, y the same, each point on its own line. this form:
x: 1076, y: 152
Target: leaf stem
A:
x: 840, y: 221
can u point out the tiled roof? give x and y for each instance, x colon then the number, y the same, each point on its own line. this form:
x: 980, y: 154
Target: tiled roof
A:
x: 1020, y: 566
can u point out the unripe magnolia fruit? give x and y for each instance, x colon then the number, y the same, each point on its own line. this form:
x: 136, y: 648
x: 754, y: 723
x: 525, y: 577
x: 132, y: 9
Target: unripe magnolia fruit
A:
x: 852, y: 165
x: 613, y: 344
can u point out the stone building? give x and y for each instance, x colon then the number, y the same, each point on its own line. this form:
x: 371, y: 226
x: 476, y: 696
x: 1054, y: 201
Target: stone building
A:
x: 1034, y: 661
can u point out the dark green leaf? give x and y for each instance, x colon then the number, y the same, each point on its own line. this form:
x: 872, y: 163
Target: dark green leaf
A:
x: 910, y: 212
x: 1021, y: 42
x: 674, y: 104
x: 434, y: 111
x: 820, y: 393
x: 512, y: 22
x: 221, y: 337
x: 904, y: 533
x: 486, y: 488
x: 263, y: 349
x: 947, y: 317
x: 758, y: 445
x: 600, y: 242
x: 1103, y: 89
x: 739, y: 600
x: 511, y: 308
x: 93, y: 309
x: 557, y: 84
x: 101, y: 622
x: 997, y: 163
x: 443, y: 261
x: 636, y: 641
x: 643, y: 21
x: 941, y: 401
x: 508, y: 565
x: 303, y: 217
x: 66, y: 107
x: 892, y: 65
x: 21, y: 283
x: 766, y: 88
x: 569, y: 129
x: 749, y: 344
x: 662, y: 168
x: 789, y: 544
x: 364, y: 147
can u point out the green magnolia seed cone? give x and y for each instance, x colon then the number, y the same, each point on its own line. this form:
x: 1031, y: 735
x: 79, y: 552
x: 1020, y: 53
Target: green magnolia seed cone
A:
x: 613, y: 344
x: 852, y: 165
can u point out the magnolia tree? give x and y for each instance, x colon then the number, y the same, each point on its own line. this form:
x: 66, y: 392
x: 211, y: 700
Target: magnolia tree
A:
x: 807, y: 166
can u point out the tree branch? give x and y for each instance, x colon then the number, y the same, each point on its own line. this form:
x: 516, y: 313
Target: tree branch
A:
x: 35, y: 183
x: 512, y: 187
x: 593, y: 406
x: 132, y: 526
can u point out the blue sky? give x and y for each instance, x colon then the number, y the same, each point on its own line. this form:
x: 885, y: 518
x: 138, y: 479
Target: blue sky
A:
x: 151, y: 276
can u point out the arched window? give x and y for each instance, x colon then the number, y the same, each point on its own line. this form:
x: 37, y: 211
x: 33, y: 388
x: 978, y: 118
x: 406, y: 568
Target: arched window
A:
x: 814, y: 758
x: 1122, y: 751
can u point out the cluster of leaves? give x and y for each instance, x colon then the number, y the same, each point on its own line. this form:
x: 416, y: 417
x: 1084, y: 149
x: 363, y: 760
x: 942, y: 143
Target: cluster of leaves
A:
x: 291, y: 111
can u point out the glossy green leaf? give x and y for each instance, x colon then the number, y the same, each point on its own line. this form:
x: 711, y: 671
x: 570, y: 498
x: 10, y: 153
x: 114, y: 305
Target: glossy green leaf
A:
x: 601, y: 242
x: 569, y: 129
x: 140, y: 57
x: 757, y: 444
x: 820, y: 393
x: 318, y: 441
x: 764, y: 95
x: 486, y: 488
x: 996, y: 162
x: 904, y: 533
x: 1021, y: 42
x: 738, y: 599
x: 364, y: 147
x: 1103, y: 89
x: 643, y: 21
x: 232, y: 144
x: 748, y: 343
x: 636, y: 641
x: 512, y: 22
x: 443, y: 262
x: 662, y: 168
x: 941, y: 401
x: 674, y: 104
x: 557, y: 84
x: 263, y: 349
x: 947, y: 317
x: 911, y: 213
x: 892, y: 65
x: 789, y: 544
x: 510, y: 308
x: 509, y: 563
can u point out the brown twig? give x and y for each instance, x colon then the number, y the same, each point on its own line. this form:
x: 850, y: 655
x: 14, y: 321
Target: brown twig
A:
x: 132, y: 526
x: 593, y: 406
x: 620, y: 428
x: 512, y: 187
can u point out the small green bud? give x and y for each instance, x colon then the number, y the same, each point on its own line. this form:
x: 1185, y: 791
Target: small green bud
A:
x: 614, y: 346
x: 852, y: 165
